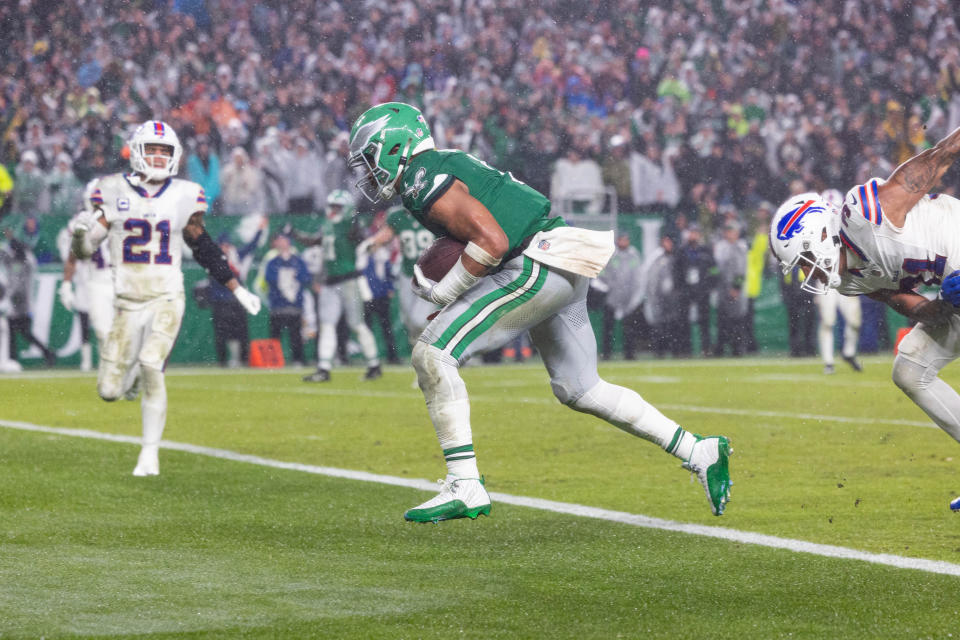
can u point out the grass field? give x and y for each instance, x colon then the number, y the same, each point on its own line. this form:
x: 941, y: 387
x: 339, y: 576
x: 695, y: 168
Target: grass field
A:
x: 222, y: 546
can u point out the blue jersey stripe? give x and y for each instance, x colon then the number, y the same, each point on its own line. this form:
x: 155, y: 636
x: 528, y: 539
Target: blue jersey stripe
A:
x: 847, y: 242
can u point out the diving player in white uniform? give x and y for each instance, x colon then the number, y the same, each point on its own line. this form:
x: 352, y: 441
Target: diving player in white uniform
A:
x: 146, y: 215
x: 87, y: 287
x: 849, y: 307
x: 891, y: 236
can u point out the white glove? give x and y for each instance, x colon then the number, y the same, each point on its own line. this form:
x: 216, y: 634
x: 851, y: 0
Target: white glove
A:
x: 87, y: 233
x: 65, y: 291
x: 85, y: 221
x: 248, y: 300
x: 422, y: 285
x: 451, y: 287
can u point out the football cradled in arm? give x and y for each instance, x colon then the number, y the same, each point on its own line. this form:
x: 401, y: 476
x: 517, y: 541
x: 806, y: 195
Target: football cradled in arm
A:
x: 467, y: 220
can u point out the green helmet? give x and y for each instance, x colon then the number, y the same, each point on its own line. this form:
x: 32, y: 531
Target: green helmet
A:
x: 381, y: 142
x: 339, y: 198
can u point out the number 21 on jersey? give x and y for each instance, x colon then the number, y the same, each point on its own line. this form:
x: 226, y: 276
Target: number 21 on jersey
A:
x: 140, y: 233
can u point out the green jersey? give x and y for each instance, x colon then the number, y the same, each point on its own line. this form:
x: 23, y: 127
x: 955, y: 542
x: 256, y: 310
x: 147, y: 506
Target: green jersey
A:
x: 414, y: 238
x: 340, y: 239
x: 519, y: 210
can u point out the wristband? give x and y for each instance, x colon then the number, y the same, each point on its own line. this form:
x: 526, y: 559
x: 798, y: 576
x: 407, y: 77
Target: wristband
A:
x: 480, y: 255
x: 453, y: 285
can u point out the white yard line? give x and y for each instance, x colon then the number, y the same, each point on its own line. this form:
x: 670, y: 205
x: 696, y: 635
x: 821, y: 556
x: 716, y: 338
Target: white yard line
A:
x: 812, y: 364
x: 732, y: 535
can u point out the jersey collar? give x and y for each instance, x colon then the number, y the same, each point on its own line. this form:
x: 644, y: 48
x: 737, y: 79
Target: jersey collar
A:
x: 143, y: 192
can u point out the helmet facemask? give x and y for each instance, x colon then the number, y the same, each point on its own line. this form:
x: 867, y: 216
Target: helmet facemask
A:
x: 381, y: 142
x: 152, y: 133
x: 828, y: 264
x: 805, y: 233
x: 376, y: 182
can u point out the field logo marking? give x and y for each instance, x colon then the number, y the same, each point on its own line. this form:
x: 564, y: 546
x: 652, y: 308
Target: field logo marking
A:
x: 722, y: 533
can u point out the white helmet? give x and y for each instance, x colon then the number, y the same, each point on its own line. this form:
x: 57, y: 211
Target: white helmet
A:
x: 154, y: 132
x: 341, y: 197
x: 806, y: 231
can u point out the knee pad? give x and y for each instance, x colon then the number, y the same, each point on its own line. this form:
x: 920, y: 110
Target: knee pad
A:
x: 566, y: 395
x: 110, y: 381
x: 155, y: 351
x: 571, y: 391
x: 437, y: 373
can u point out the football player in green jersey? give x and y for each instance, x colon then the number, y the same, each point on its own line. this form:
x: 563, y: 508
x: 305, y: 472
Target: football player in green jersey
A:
x: 521, y: 270
x: 343, y: 287
x: 414, y: 238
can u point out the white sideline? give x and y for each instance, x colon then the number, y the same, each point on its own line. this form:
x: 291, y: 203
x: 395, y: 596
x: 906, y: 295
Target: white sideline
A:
x: 732, y: 535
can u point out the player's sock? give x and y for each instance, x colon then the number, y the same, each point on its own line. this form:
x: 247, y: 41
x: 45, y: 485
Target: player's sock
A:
x: 86, y: 357
x: 448, y: 406
x: 326, y: 346
x: 461, y: 461
x: 825, y: 338
x: 851, y: 335
x: 681, y: 445
x: 368, y: 344
x: 153, y: 406
x: 625, y: 409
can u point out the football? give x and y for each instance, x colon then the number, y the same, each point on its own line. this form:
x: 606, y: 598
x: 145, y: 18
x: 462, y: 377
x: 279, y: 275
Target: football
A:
x: 440, y: 256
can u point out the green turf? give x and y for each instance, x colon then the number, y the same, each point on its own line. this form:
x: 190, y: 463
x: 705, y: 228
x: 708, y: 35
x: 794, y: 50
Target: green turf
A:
x: 215, y: 548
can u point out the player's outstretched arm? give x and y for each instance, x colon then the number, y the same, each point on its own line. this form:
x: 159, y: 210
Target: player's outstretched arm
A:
x: 209, y: 256
x: 917, y: 177
x: 383, y: 236
x: 914, y: 306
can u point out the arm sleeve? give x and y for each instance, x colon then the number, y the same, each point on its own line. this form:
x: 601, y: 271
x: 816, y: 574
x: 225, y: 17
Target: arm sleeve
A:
x: 209, y: 256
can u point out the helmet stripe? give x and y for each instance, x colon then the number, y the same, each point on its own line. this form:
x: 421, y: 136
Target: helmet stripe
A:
x: 158, y: 128
x: 787, y: 230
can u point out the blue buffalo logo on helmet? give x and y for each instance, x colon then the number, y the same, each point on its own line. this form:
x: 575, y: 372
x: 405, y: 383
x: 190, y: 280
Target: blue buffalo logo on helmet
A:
x: 792, y: 223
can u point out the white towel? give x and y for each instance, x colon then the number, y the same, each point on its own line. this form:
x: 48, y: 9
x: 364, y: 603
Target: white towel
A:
x: 572, y: 249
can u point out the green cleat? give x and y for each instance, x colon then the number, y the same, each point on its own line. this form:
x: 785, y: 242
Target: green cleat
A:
x: 458, y: 498
x: 709, y: 461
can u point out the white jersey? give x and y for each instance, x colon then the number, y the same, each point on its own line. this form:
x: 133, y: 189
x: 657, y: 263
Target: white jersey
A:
x: 881, y: 256
x: 146, y: 233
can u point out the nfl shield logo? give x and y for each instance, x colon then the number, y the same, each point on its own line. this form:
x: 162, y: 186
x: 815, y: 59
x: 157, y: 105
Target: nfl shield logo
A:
x: 123, y: 204
x: 543, y: 245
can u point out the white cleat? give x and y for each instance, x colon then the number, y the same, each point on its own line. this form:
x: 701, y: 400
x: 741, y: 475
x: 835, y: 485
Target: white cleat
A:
x: 148, y: 464
x: 458, y: 498
x: 709, y: 462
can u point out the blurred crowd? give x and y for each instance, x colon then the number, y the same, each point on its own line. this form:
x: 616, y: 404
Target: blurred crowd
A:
x: 683, y: 105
